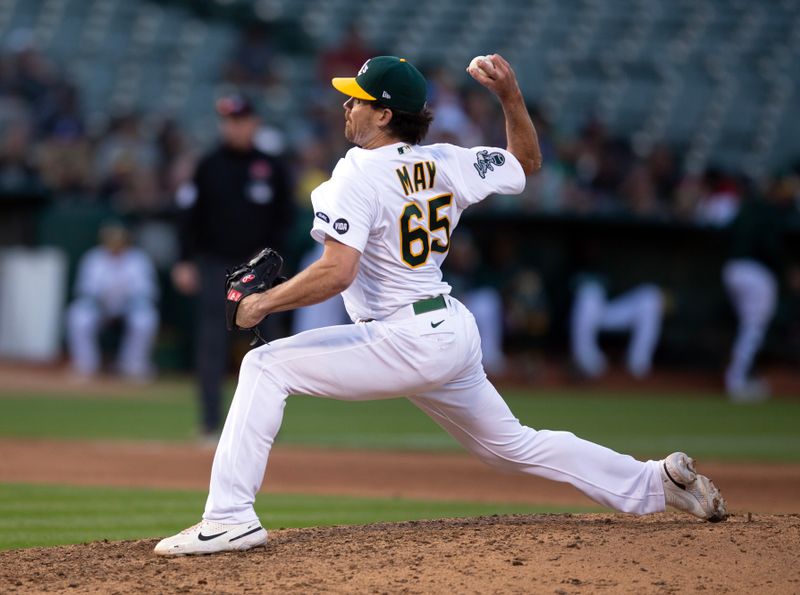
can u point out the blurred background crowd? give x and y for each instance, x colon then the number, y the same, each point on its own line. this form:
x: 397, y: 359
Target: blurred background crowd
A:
x: 98, y: 116
x: 661, y: 125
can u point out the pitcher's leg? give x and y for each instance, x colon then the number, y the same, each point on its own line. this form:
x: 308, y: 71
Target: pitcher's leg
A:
x: 253, y: 422
x: 476, y: 415
x: 350, y: 362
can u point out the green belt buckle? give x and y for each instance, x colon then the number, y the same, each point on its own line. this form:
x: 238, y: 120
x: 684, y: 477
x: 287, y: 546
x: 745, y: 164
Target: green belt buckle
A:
x: 429, y: 305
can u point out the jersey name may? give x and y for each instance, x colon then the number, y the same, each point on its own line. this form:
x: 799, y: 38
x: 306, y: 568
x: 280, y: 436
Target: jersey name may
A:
x: 398, y: 206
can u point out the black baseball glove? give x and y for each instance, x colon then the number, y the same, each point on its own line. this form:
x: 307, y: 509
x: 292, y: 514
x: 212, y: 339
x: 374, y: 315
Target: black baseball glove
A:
x: 255, y: 276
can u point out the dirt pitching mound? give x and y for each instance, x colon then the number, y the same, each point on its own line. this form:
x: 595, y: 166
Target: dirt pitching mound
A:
x: 500, y: 554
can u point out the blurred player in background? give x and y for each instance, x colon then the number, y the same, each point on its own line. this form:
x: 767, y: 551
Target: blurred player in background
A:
x: 638, y: 311
x: 239, y: 200
x: 756, y: 268
x: 115, y: 281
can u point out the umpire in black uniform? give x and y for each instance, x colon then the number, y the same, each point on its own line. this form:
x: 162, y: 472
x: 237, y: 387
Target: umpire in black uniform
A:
x: 239, y: 201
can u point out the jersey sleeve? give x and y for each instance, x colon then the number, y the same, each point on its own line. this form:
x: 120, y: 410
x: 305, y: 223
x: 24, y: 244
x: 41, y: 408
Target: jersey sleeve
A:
x: 344, y: 209
x: 484, y: 171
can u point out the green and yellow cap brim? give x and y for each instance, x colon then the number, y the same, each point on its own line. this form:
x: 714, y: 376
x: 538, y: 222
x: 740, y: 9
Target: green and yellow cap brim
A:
x: 350, y: 87
x: 389, y: 80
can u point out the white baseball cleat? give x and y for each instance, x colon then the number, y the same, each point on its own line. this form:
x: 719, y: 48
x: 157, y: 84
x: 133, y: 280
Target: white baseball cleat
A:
x: 208, y: 537
x: 689, y: 491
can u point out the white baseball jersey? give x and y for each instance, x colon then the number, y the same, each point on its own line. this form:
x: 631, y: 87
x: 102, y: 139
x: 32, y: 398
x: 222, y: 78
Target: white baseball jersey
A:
x: 398, y: 205
x: 115, y: 280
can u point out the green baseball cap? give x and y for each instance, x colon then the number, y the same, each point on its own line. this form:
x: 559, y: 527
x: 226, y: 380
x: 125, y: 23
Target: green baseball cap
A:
x: 392, y: 81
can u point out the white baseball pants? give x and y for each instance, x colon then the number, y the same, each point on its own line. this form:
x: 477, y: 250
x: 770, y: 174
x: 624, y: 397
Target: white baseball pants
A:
x: 485, y: 304
x: 84, y: 319
x: 639, y: 310
x: 439, y: 367
x: 754, y: 292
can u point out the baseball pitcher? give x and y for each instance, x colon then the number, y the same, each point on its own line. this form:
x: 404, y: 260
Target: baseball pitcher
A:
x: 385, y: 218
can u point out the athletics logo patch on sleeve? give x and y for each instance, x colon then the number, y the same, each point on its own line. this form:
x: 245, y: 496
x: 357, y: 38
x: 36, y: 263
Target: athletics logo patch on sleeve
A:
x: 323, y: 216
x: 487, y: 161
x: 341, y: 226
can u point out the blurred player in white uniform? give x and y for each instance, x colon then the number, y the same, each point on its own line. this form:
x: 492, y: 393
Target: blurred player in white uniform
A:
x: 385, y: 218
x: 638, y: 311
x: 754, y: 274
x: 115, y: 281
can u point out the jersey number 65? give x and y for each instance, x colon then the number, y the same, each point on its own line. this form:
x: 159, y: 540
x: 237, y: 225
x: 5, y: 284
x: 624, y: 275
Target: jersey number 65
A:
x: 416, y: 243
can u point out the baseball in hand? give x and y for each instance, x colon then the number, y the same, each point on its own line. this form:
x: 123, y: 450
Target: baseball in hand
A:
x: 482, y: 64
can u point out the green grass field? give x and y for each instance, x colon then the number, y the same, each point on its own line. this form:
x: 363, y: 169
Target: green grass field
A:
x: 707, y: 426
x: 52, y: 515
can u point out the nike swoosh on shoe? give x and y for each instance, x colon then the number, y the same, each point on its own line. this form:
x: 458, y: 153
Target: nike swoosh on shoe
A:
x: 256, y: 530
x: 202, y: 537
